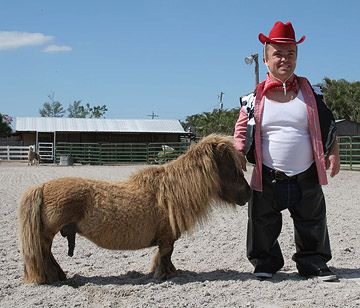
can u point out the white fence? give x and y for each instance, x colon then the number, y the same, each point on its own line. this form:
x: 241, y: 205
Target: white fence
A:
x: 14, y: 152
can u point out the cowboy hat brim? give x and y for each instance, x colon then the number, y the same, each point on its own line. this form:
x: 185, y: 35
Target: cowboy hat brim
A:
x: 264, y: 39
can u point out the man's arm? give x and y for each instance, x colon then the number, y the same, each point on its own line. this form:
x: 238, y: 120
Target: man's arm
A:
x: 240, y: 135
x: 333, y: 159
x: 328, y: 131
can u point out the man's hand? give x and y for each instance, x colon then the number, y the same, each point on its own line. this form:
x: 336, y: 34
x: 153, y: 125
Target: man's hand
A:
x: 243, y: 161
x: 333, y: 160
x: 333, y: 163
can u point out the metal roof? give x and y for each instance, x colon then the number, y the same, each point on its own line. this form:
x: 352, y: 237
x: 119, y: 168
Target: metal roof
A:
x: 47, y: 124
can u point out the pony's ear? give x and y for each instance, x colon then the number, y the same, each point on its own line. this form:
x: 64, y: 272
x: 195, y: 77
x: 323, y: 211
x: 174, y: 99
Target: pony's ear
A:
x: 227, y: 158
x: 216, y: 153
x: 220, y: 150
x: 221, y: 155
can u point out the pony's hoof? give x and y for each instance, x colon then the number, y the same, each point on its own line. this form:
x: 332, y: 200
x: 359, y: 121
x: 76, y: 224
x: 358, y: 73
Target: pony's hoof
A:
x: 159, y: 275
x: 164, y: 275
x: 52, y: 280
x: 62, y: 277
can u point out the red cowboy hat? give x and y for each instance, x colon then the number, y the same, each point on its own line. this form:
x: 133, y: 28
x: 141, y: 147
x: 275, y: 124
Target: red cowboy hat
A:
x: 281, y: 34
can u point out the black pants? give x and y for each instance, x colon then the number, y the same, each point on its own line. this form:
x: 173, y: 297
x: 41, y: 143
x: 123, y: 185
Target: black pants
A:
x: 304, y: 198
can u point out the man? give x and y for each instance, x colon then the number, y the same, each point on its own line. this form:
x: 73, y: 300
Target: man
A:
x: 286, y: 130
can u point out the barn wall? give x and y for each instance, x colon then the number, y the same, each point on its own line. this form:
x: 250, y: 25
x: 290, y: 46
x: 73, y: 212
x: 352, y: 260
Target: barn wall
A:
x: 11, y: 140
x: 348, y: 128
x: 29, y: 138
x: 116, y: 137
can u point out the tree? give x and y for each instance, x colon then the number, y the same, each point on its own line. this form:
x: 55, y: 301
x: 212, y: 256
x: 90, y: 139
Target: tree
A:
x: 5, y: 125
x: 96, y: 111
x: 217, y: 121
x: 52, y: 108
x: 343, y: 98
x: 76, y: 110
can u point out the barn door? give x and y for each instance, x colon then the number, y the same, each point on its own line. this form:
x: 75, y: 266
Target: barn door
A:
x: 46, y: 151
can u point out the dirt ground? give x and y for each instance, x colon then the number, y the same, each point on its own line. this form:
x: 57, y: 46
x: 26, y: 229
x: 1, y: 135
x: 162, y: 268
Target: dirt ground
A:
x: 213, y: 269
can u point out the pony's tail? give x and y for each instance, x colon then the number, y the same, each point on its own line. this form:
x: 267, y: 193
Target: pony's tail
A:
x: 31, y: 237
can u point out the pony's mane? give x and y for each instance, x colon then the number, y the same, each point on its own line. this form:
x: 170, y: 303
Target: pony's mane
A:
x: 187, y: 186
x: 192, y: 182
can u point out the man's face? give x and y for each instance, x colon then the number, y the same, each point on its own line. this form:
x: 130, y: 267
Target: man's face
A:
x: 281, y: 60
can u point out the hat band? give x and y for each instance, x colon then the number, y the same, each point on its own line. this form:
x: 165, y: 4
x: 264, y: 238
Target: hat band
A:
x: 281, y: 39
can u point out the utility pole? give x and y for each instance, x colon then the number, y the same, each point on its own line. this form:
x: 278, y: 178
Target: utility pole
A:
x: 220, y: 97
x: 219, y: 113
x: 153, y: 115
x: 249, y: 60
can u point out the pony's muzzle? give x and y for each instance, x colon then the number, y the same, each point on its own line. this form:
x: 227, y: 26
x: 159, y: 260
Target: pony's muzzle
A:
x: 243, y: 195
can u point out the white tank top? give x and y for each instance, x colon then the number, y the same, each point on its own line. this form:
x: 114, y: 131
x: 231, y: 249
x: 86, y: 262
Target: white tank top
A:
x: 286, y: 144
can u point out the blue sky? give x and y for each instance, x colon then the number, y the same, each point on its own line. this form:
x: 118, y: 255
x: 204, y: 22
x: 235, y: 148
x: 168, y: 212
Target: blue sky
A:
x: 171, y: 57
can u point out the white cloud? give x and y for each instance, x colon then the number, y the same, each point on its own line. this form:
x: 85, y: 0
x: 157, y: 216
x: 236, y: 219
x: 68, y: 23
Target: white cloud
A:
x: 57, y: 48
x: 15, y: 39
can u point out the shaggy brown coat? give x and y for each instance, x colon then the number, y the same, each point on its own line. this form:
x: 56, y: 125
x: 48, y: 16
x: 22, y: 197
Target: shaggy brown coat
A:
x: 152, y: 208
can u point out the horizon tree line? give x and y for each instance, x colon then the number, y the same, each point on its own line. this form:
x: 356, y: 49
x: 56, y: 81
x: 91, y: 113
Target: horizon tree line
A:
x: 341, y: 96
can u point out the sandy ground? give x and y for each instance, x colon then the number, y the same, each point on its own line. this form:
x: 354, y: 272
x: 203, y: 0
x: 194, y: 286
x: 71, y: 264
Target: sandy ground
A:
x: 214, y: 271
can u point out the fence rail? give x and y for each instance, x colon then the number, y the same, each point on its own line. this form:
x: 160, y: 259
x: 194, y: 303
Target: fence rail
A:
x: 96, y: 153
x: 349, y: 147
x: 13, y: 152
x: 151, y: 153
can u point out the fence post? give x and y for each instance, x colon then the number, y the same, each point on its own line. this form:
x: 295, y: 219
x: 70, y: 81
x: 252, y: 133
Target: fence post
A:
x: 8, y: 152
x: 351, y: 153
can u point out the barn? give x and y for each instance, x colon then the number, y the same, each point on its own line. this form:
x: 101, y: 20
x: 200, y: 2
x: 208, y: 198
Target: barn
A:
x: 100, y: 140
x: 347, y: 128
